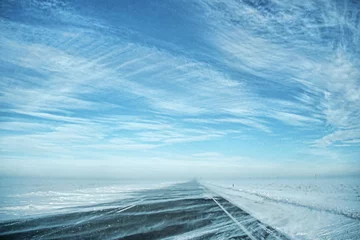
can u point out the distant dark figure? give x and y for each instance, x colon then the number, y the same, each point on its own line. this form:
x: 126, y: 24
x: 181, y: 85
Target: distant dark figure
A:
x: 233, y: 185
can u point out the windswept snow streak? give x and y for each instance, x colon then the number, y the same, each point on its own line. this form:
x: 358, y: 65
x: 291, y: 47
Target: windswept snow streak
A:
x: 296, y: 219
x: 348, y: 214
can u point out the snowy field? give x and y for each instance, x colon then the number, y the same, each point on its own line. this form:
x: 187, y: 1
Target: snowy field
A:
x: 24, y: 197
x: 185, y: 211
x: 326, y: 208
x: 312, y: 208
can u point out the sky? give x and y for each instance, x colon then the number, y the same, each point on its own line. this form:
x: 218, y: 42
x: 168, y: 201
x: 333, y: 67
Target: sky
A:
x: 179, y: 89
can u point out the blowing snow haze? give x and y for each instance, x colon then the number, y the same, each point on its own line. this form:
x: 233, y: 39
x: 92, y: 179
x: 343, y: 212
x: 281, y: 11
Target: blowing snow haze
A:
x: 180, y: 89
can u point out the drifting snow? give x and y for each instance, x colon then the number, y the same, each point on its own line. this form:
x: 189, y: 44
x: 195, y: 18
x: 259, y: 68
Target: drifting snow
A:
x: 301, y: 208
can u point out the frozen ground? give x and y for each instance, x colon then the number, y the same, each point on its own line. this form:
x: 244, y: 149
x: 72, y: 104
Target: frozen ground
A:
x: 186, y: 211
x: 23, y: 197
x: 267, y: 209
x: 302, y: 208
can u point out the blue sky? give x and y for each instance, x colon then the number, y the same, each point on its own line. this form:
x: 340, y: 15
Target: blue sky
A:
x: 207, y: 88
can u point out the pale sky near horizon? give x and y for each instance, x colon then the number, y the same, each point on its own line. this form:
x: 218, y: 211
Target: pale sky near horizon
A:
x: 178, y: 89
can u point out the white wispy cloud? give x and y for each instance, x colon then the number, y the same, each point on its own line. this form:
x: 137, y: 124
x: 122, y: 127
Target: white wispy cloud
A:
x: 287, y: 49
x: 87, y: 86
x: 349, y: 136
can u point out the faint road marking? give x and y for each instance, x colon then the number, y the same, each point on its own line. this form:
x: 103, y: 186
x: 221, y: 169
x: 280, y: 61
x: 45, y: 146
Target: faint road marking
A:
x: 124, y: 209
